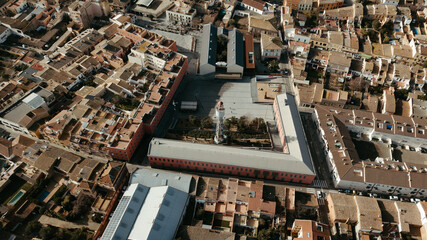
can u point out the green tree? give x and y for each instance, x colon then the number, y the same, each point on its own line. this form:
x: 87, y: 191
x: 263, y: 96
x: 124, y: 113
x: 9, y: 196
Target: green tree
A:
x: 373, y: 35
x: 232, y: 23
x: 401, y: 94
x: 273, y: 66
x: 32, y: 228
x: 242, y: 123
x: 420, y: 21
x: 63, y: 234
x: 21, y: 67
x: 221, y: 48
x: 312, y: 20
x: 425, y: 64
x: 387, y: 28
x: 364, y: 31
x: 57, y: 197
x: 67, y: 203
x: 80, y: 206
x: 207, y: 122
x: 195, y: 121
x: 258, y: 124
x: 42, y: 210
x: 79, y: 234
x: 268, y: 234
x: 9, y: 13
x: 376, y: 24
x: 47, y: 233
x: 229, y: 122
x: 386, y: 40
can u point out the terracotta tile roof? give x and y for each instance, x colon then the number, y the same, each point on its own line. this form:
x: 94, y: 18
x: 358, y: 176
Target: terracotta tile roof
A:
x: 258, y: 4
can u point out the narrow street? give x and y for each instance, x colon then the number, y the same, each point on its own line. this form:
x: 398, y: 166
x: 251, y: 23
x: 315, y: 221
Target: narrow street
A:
x: 317, y: 155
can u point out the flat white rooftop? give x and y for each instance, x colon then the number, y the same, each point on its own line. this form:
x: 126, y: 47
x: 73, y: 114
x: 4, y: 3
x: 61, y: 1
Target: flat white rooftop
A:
x: 147, y: 213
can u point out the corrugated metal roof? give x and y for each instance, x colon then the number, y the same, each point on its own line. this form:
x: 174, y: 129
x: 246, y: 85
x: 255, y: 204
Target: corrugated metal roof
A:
x: 209, y: 45
x: 235, y: 48
x: 147, y: 213
x: 34, y: 100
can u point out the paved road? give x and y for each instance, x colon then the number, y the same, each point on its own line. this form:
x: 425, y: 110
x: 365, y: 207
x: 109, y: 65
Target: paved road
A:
x: 317, y: 155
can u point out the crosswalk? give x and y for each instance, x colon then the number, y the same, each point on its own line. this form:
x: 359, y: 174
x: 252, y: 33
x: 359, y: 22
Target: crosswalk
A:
x: 321, y: 201
x: 320, y: 184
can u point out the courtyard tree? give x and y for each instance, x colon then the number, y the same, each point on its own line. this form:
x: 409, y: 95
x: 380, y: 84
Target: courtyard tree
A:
x: 273, y: 66
x: 32, y: 228
x: 207, y: 122
x: 194, y: 121
x: 376, y: 25
x: 47, y: 233
x: 242, y: 123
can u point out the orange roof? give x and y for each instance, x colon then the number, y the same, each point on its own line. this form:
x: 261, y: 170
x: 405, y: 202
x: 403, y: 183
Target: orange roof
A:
x: 257, y: 204
x: 37, y: 67
x: 249, y: 48
x: 255, y: 4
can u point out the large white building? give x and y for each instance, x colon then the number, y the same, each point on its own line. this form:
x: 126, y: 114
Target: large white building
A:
x: 147, y: 213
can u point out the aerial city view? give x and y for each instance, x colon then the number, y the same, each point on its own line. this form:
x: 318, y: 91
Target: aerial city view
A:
x: 213, y: 119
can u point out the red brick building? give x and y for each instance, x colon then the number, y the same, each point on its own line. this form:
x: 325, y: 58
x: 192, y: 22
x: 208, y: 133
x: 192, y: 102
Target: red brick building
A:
x: 173, y: 154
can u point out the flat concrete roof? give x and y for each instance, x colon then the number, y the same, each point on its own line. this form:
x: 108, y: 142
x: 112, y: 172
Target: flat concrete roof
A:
x: 155, y: 177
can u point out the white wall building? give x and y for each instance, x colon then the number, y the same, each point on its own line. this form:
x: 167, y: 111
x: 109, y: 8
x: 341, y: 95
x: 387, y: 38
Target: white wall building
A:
x: 181, y: 13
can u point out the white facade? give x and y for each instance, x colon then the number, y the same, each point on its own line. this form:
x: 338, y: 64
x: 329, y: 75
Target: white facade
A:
x: 5, y: 34
x: 250, y: 8
x: 146, y: 60
x: 180, y: 16
x: 390, y: 2
x: 360, y: 183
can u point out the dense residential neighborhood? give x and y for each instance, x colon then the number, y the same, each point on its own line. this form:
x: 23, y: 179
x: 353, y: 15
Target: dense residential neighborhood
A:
x: 225, y: 119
